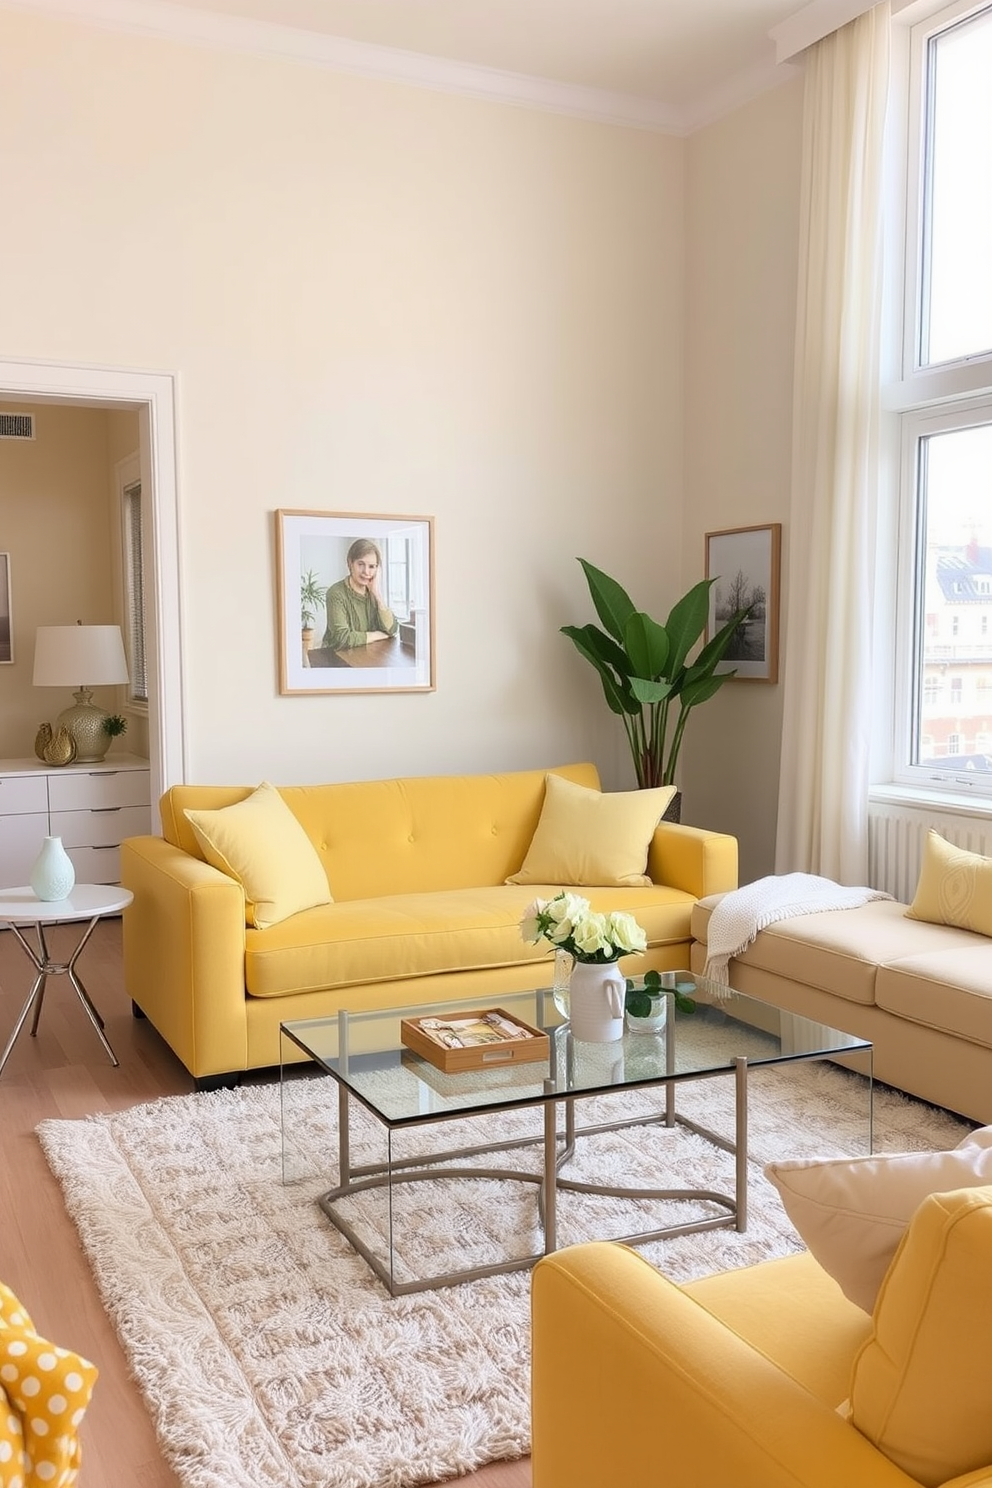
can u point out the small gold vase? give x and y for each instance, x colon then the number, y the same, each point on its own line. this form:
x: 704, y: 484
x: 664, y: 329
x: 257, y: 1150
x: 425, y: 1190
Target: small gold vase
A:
x: 42, y: 739
x: 61, y: 750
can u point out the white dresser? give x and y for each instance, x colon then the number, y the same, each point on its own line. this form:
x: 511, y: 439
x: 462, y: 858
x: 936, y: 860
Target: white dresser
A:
x: 91, y: 807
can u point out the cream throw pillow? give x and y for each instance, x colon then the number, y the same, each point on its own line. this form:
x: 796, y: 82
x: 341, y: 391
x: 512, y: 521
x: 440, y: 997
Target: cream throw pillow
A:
x: 259, y: 842
x: 852, y: 1214
x: 955, y: 887
x: 589, y: 838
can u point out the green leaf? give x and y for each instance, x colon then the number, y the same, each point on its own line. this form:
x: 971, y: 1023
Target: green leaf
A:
x: 646, y: 643
x: 613, y: 604
x: 598, y: 648
x: 687, y: 622
x: 649, y: 693
x: 702, y: 689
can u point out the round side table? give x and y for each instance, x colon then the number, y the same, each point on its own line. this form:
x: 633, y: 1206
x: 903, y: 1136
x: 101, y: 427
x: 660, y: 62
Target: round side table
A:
x: 88, y: 903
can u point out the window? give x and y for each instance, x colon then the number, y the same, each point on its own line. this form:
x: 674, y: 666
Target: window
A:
x: 134, y: 591
x: 941, y: 398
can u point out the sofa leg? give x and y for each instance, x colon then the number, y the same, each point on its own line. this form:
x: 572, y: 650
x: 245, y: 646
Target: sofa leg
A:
x: 136, y: 1011
x: 207, y: 1083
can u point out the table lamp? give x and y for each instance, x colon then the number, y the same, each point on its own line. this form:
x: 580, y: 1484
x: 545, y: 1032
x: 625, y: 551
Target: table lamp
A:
x: 87, y: 656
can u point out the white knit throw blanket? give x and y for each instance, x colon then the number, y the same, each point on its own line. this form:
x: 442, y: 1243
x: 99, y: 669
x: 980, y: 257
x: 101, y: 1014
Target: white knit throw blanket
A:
x: 739, y: 915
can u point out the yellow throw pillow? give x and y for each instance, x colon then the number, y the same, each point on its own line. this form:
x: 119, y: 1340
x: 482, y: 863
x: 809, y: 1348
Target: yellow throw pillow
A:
x: 852, y: 1213
x: 259, y: 842
x: 955, y: 887
x: 591, y: 838
x: 920, y: 1385
x: 44, y: 1392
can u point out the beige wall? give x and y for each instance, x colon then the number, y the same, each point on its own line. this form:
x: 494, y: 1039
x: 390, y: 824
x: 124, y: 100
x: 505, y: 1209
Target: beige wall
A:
x: 742, y: 223
x: 59, y: 524
x: 375, y: 299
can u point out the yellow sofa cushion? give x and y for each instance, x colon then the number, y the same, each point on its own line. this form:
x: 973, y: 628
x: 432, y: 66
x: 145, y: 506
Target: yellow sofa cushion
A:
x: 920, y: 1387
x: 342, y: 945
x: 589, y: 837
x: 852, y: 1212
x: 44, y: 1392
x: 955, y: 887
x: 259, y: 842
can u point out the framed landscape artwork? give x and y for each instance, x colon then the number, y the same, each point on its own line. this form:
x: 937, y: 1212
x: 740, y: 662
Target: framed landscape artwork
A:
x: 355, y: 602
x: 6, y: 618
x: 746, y: 563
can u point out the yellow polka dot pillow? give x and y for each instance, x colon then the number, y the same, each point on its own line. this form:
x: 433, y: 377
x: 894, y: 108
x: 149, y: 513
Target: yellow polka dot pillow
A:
x: 44, y: 1392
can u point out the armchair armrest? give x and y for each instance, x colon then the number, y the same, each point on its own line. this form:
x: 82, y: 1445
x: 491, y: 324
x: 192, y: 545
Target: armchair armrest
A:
x: 692, y: 859
x: 635, y: 1382
x: 184, y: 953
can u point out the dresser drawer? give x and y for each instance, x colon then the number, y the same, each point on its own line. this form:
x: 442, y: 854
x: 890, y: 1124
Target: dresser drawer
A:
x: 83, y: 790
x: 101, y: 828
x: 22, y: 794
x: 96, y: 865
x: 20, y: 843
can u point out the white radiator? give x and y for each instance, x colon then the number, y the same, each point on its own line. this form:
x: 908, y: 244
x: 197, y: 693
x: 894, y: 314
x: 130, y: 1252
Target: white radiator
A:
x: 896, y: 835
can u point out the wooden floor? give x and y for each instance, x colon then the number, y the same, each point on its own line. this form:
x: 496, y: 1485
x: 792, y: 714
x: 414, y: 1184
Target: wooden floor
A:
x: 64, y: 1072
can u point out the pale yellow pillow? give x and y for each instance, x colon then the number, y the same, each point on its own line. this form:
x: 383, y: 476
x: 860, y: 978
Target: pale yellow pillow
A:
x: 591, y: 838
x: 955, y: 887
x: 259, y: 842
x: 920, y: 1388
x: 852, y: 1213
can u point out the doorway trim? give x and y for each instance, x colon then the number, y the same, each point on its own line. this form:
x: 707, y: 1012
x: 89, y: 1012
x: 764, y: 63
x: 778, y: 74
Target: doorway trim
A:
x: 153, y: 395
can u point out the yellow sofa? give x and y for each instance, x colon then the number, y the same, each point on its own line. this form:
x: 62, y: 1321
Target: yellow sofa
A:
x: 768, y: 1377
x: 421, y: 911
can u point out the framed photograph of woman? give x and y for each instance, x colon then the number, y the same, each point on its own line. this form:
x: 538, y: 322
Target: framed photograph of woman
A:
x: 746, y: 563
x: 355, y: 598
x: 6, y: 618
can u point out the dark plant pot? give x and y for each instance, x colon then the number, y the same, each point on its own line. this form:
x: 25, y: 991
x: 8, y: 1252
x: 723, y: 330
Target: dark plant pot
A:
x: 673, y: 811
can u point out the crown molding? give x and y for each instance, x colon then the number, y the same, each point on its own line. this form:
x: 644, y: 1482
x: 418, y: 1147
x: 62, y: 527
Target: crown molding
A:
x: 738, y: 90
x: 159, y: 20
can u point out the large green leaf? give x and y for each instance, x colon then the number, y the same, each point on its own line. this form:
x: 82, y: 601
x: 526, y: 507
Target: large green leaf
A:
x: 597, y: 647
x: 716, y: 647
x: 687, y: 622
x: 591, y: 643
x: 702, y: 688
x: 649, y: 692
x: 613, y: 604
x: 646, y: 643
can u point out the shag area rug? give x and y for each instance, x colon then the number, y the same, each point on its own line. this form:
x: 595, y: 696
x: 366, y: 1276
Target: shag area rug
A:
x: 270, y: 1355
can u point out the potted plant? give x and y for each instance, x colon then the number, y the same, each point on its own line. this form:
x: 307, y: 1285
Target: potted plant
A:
x: 311, y: 598
x: 646, y: 671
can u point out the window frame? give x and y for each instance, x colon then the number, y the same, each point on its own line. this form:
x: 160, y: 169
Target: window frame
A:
x: 918, y: 400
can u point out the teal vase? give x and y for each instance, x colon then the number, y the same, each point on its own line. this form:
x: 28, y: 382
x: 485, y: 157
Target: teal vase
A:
x: 53, y: 875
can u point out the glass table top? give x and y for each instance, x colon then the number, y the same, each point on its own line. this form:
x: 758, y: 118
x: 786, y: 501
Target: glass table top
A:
x: 364, y: 1051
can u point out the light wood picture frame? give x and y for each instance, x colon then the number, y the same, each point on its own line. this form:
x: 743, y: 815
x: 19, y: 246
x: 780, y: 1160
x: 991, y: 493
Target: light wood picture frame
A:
x: 746, y: 564
x: 342, y: 577
x: 6, y: 614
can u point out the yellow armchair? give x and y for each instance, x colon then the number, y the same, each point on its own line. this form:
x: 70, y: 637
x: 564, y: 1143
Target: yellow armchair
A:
x: 768, y: 1377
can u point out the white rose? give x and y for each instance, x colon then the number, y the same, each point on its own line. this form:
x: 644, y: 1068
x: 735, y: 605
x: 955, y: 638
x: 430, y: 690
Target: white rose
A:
x: 589, y: 935
x: 567, y: 907
x: 530, y: 925
x: 625, y: 933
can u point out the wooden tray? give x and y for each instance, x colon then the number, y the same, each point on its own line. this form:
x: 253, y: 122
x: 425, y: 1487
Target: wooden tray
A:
x: 497, y: 1051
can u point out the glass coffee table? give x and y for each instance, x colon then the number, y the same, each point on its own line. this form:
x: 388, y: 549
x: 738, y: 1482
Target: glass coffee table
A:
x: 725, y: 1036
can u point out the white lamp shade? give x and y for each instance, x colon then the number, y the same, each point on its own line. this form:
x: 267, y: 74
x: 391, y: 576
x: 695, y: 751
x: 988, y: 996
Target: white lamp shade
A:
x: 79, y: 656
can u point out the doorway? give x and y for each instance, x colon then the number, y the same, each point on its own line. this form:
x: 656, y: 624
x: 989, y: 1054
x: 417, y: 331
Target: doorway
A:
x: 153, y: 396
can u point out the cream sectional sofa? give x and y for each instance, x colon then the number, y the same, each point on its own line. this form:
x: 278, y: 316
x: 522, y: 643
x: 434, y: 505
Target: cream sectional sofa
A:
x: 921, y: 992
x: 421, y: 911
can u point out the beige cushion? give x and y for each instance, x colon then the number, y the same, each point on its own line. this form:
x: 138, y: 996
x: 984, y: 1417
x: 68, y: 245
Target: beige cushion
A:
x: 920, y: 1385
x: 955, y: 887
x: 852, y: 1213
x: 259, y: 842
x: 588, y: 837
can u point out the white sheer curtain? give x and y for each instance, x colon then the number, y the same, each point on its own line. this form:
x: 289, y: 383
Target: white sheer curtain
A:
x: 823, y: 806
